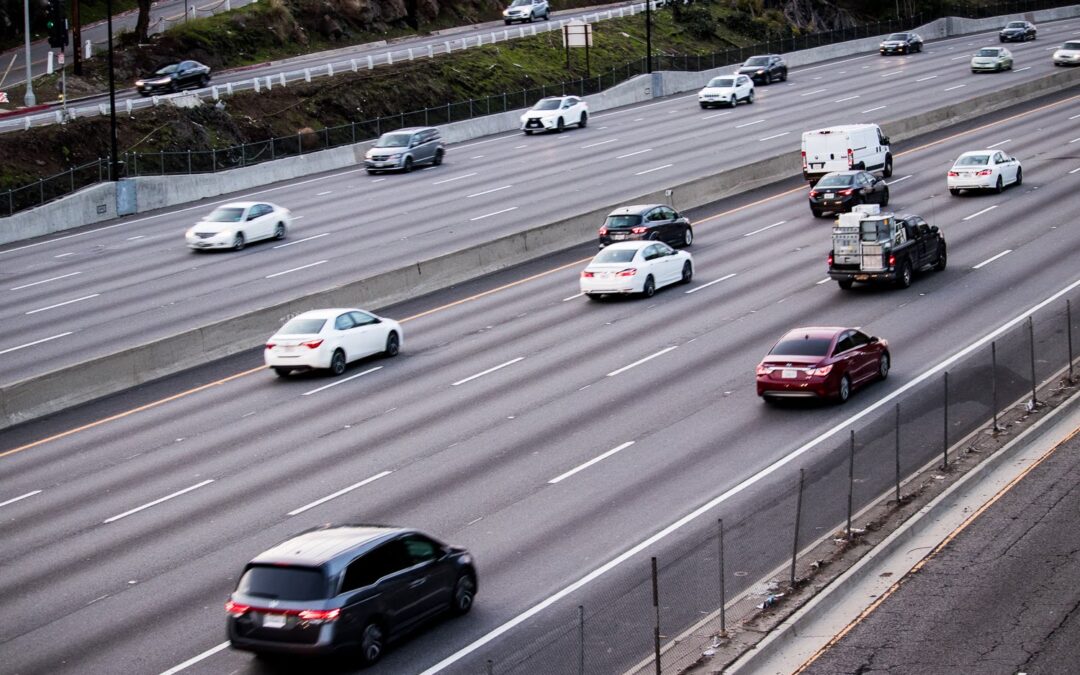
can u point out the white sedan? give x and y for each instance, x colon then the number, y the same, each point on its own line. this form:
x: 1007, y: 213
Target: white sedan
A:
x: 726, y: 90
x: 984, y: 170
x: 1068, y: 54
x: 555, y: 113
x: 635, y: 267
x: 328, y: 339
x: 234, y: 225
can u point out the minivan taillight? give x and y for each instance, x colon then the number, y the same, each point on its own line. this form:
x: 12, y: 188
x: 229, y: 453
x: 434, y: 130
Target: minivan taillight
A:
x: 319, y: 615
x: 236, y: 609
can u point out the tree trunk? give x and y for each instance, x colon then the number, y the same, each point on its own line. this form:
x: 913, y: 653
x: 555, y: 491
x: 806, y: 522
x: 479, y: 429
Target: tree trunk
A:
x: 142, y: 24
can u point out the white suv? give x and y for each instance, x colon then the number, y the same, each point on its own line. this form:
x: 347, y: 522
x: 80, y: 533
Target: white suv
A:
x: 526, y: 10
x: 727, y: 90
x: 555, y: 113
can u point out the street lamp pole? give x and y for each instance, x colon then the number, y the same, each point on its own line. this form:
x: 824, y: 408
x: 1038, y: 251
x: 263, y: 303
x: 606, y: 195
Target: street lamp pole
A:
x: 30, y: 99
x: 114, y: 161
x: 648, y: 35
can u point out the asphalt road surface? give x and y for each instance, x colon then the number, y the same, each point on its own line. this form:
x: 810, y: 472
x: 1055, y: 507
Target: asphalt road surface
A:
x: 83, y: 294
x: 206, y: 479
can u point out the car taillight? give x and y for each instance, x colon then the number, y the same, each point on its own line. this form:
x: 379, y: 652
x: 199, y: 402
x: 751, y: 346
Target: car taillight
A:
x: 588, y: 275
x: 813, y: 193
x: 954, y: 174
x: 830, y: 260
x: 319, y: 615
x: 236, y: 609
x: 847, y: 191
x: 311, y: 344
x: 822, y: 372
x: 762, y: 369
x: 804, y: 158
x: 628, y: 272
x: 892, y: 260
x: 850, y: 158
x: 270, y: 345
x: 639, y: 230
x: 984, y: 172
x: 603, y: 231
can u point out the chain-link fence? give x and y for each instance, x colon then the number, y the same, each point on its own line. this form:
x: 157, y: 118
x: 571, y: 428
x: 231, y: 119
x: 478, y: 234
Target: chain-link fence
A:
x: 661, y: 593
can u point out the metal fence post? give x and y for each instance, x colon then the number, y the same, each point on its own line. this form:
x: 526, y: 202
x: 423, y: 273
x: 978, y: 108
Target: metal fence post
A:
x: 11, y: 201
x: 161, y: 161
x: 189, y: 160
x: 1068, y: 336
x: 213, y: 159
x: 897, y: 454
x: 656, y: 607
x: 490, y: 667
x: 723, y: 591
x: 1031, y: 343
x: 71, y: 175
x: 581, y: 639
x: 945, y: 450
x: 41, y: 190
x: 850, y: 483
x: 798, y: 518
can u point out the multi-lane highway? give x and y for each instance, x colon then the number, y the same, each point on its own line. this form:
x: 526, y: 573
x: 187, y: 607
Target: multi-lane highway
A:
x: 123, y: 538
x: 83, y: 294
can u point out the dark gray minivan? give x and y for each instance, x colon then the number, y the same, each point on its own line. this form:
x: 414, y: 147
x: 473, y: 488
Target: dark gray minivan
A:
x: 405, y: 148
x: 342, y: 587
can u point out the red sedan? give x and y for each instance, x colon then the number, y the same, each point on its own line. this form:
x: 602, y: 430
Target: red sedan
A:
x: 822, y: 362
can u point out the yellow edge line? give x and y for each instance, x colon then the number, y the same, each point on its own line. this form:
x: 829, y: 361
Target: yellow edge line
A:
x: 930, y: 556
x: 493, y: 290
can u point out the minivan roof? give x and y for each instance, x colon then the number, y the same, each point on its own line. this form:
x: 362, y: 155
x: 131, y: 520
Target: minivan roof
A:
x: 317, y: 547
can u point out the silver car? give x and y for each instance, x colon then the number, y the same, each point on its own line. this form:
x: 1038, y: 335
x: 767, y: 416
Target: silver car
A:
x: 526, y: 10
x: 994, y: 59
x: 405, y: 148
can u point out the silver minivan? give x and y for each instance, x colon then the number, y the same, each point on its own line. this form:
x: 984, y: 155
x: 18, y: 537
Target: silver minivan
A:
x: 405, y: 148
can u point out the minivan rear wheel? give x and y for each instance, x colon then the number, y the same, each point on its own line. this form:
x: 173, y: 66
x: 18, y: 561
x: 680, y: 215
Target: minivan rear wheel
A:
x: 371, y: 643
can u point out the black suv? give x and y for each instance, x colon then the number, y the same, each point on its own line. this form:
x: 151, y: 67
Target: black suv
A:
x: 347, y: 586
x: 646, y: 221
x: 764, y: 69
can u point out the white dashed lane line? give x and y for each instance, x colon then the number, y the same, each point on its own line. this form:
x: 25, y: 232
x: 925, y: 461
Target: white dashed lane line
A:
x: 811, y: 93
x: 295, y: 269
x: 1020, y: 70
x: 928, y: 77
x: 343, y: 491
x: 631, y: 154
x: 769, y: 138
x: 956, y: 86
x: 43, y: 281
x: 61, y: 304
x: 714, y: 281
x: 593, y: 145
x: 709, y: 117
x: 451, y: 180
x: 642, y: 173
x: 20, y: 497
x: 488, y: 371
x: 641, y: 361
x: 898, y: 180
x: 999, y: 143
x: 64, y: 255
x: 487, y: 192
x: 573, y: 297
x: 31, y: 344
x: 301, y: 241
x: 849, y: 98
x: 494, y: 213
x: 166, y: 498
x: 870, y: 110
x: 341, y: 381
x: 979, y: 213
x: 767, y: 227
x: 992, y: 259
x: 589, y: 463
x: 823, y: 281
x: 748, y: 124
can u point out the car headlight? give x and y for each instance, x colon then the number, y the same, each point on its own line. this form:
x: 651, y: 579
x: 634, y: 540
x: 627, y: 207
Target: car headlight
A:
x: 761, y: 71
x: 224, y: 233
x: 139, y: 83
x: 396, y: 155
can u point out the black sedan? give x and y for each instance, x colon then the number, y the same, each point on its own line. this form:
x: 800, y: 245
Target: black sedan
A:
x: 839, y: 191
x: 174, y: 77
x: 646, y: 221
x: 901, y: 43
x: 1017, y: 31
x: 764, y: 69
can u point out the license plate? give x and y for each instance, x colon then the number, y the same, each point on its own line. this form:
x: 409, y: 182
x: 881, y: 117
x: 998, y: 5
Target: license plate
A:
x: 862, y: 277
x: 273, y: 620
x: 830, y: 195
x: 618, y: 236
x: 789, y: 374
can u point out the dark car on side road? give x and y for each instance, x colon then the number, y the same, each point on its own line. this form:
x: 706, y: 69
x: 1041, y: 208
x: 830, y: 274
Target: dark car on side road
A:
x: 823, y: 363
x: 838, y: 191
x: 174, y: 77
x: 347, y: 587
x: 764, y: 69
x: 646, y: 221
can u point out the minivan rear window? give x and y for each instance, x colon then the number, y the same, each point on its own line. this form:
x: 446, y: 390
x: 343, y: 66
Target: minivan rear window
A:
x: 802, y: 346
x: 283, y: 583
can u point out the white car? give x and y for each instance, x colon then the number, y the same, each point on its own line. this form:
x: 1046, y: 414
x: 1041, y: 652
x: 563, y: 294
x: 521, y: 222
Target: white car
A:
x: 1068, y: 54
x: 555, y: 112
x: 234, y: 225
x: 727, y: 90
x: 984, y: 170
x: 635, y: 267
x: 328, y: 339
x: 526, y: 10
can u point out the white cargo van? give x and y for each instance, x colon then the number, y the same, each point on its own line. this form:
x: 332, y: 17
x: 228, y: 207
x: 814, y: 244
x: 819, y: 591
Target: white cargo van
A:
x: 853, y: 146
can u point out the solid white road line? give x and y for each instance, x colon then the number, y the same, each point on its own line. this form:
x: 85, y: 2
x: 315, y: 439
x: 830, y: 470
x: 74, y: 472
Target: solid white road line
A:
x: 20, y: 497
x: 451, y: 180
x: 870, y: 110
x: 651, y: 541
x: 714, y: 281
x: 301, y: 241
x: 928, y: 77
x: 767, y: 227
x: 955, y: 87
x: 979, y: 213
x: 166, y: 498
x: 35, y: 342
x: 43, y: 281
x: 564, y: 300
x: 769, y: 138
x: 748, y: 124
x: 61, y: 304
x: 295, y: 269
x: 811, y: 93
x: 849, y: 98
x: 992, y: 259
x: 340, y: 492
x: 902, y: 178
x: 489, y: 370
x: 641, y: 361
x: 999, y: 143
x: 487, y: 192
x: 341, y: 381
x: 488, y: 215
x: 657, y: 168
x: 195, y: 659
x: 586, y: 465
x: 634, y: 153
x: 593, y: 145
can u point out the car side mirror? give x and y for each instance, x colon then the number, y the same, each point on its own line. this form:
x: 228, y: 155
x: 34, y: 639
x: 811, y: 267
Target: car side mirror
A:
x: 252, y: 216
x: 874, y: 339
x: 934, y: 229
x: 886, y: 141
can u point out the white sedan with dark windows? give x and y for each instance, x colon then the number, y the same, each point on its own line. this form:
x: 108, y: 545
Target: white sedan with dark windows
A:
x: 726, y: 90
x: 329, y: 339
x: 638, y: 267
x: 984, y: 170
x: 555, y: 113
x: 233, y: 226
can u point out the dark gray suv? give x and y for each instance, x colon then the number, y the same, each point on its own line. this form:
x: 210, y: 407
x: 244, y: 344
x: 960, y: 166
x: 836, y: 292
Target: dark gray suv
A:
x: 405, y: 148
x: 347, y: 587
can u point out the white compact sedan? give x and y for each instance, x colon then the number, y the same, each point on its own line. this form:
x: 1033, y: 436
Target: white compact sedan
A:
x: 328, y: 339
x: 234, y: 225
x: 1068, y: 54
x: 726, y: 90
x: 635, y: 267
x: 555, y: 113
x: 984, y: 170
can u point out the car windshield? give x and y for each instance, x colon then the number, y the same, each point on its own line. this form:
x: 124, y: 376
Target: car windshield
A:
x: 302, y: 327
x: 835, y: 180
x: 283, y: 583
x: 226, y: 214
x: 393, y: 141
x: 619, y: 222
x: 547, y: 104
x: 615, y: 255
x: 900, y: 37
x: 167, y: 70
x: 973, y: 160
x: 723, y: 82
x: 1015, y: 24
x: 1071, y: 46
x: 987, y: 52
x: 757, y: 61
x: 801, y: 345
x: 519, y: 3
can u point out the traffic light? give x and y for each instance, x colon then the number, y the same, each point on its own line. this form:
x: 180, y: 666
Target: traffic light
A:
x: 56, y: 22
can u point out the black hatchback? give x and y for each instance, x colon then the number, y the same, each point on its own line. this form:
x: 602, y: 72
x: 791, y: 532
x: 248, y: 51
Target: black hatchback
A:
x: 347, y: 587
x: 764, y: 69
x: 646, y: 221
x: 839, y: 191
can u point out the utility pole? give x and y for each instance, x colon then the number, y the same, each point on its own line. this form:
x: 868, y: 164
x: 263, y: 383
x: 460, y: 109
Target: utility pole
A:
x: 29, y: 99
x: 648, y: 35
x: 76, y: 38
x: 114, y: 161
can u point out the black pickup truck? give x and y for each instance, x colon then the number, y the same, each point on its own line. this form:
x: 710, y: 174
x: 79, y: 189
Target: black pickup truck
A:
x: 855, y: 250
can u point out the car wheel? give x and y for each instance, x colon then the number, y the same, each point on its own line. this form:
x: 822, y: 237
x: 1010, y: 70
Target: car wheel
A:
x: 371, y: 643
x: 887, y: 170
x: 942, y: 260
x: 954, y: 191
x: 650, y: 287
x: 783, y: 76
x: 885, y: 198
x: 437, y: 161
x: 844, y: 392
x: 883, y: 366
x: 561, y: 126
x: 507, y: 22
x: 584, y: 120
x: 407, y: 166
x: 464, y: 594
x: 279, y: 231
x: 337, y: 363
x: 845, y: 284
x: 1019, y: 176
x: 687, y: 273
x: 282, y: 372
x: 547, y: 14
x: 750, y: 97
x: 704, y: 106
x: 372, y: 172
x: 1002, y: 40
x: 688, y: 237
x: 653, y: 236
x: 393, y: 344
x: 595, y: 297
x: 528, y: 132
x: 733, y: 101
x: 817, y: 214
x: 531, y: 18
x: 238, y: 242
x: 204, y: 81
x: 904, y: 278
x: 999, y: 186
